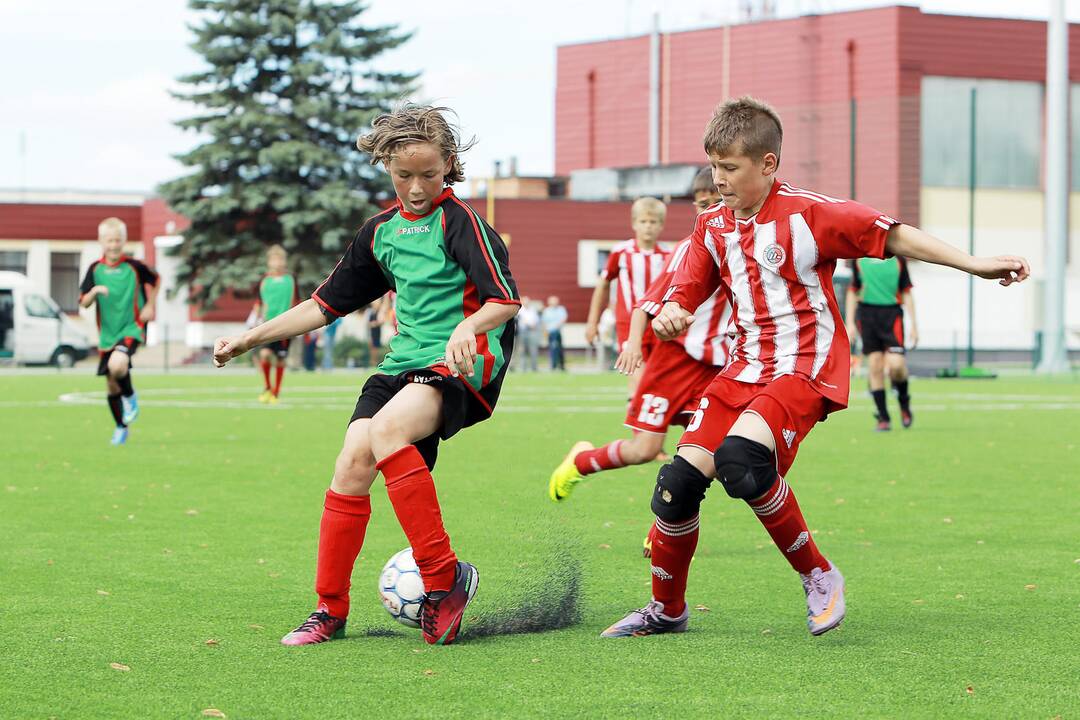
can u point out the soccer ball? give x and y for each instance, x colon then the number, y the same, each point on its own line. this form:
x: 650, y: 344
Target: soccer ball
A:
x: 401, y: 588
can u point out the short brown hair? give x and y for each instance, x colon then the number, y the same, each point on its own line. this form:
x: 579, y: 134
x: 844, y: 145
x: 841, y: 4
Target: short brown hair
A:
x: 648, y: 205
x: 744, y: 126
x: 411, y: 123
x: 703, y: 182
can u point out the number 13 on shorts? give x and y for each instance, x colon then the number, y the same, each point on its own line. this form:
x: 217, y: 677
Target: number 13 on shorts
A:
x: 653, y: 410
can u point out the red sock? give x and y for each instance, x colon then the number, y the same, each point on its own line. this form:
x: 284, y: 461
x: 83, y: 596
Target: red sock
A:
x: 341, y: 535
x: 412, y: 493
x: 672, y: 549
x: 277, y: 379
x: 602, y: 458
x: 779, y: 512
x: 266, y: 372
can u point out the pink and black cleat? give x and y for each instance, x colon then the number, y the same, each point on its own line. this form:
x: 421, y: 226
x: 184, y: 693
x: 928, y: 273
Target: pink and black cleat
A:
x: 649, y: 620
x: 442, y: 611
x: 319, y: 627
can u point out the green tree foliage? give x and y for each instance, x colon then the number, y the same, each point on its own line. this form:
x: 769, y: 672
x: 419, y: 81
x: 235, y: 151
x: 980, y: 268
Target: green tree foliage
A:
x: 287, y: 88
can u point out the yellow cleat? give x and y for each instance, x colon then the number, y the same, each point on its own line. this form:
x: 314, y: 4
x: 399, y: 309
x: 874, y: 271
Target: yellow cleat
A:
x: 265, y: 396
x: 273, y: 399
x: 566, y: 476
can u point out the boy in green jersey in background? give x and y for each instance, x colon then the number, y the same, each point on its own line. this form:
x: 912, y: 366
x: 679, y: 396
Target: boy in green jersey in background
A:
x: 125, y: 291
x: 277, y: 293
x: 880, y: 287
x: 444, y: 370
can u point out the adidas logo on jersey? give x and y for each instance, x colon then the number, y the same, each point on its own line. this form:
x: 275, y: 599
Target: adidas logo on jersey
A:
x: 661, y: 572
x: 715, y: 222
x: 414, y: 230
x: 789, y: 436
x: 803, y: 538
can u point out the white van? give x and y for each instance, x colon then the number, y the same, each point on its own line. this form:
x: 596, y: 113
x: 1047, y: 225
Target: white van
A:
x: 33, y: 330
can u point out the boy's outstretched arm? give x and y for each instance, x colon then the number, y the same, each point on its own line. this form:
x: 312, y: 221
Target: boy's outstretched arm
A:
x: 461, y: 347
x: 299, y: 319
x: 914, y: 243
x: 596, y: 305
x: 630, y: 356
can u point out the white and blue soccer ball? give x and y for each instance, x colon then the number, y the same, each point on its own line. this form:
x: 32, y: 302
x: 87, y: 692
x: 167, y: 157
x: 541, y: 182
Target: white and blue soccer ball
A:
x: 401, y: 588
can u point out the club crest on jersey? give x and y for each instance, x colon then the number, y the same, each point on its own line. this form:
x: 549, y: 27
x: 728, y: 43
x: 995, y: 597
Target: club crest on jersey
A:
x: 773, y: 256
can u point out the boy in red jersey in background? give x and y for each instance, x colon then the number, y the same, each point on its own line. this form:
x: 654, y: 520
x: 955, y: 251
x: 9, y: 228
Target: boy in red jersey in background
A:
x: 633, y: 266
x: 672, y: 382
x: 444, y: 370
x: 772, y: 247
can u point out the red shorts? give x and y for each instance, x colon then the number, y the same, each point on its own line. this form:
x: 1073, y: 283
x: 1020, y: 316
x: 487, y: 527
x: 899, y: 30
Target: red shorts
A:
x: 789, y: 405
x: 669, y: 389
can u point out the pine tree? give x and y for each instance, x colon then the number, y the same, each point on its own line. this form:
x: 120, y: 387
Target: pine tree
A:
x: 289, y: 86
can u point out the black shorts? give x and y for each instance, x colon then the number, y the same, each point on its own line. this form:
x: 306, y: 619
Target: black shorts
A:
x: 459, y: 405
x: 279, y: 348
x: 881, y: 328
x: 127, y: 345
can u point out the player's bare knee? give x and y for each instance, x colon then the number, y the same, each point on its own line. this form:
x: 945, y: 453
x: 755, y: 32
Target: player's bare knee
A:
x: 387, y: 435
x: 354, y: 471
x: 642, y: 448
x: 680, y: 488
x: 746, y: 468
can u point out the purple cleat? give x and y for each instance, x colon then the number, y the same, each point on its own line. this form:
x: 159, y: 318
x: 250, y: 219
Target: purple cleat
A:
x: 319, y: 627
x: 649, y: 620
x: 825, y: 605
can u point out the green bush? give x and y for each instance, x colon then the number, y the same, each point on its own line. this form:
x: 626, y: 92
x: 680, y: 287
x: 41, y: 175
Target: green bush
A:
x: 350, y: 348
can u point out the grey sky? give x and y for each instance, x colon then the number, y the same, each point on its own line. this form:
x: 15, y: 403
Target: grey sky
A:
x: 86, y: 83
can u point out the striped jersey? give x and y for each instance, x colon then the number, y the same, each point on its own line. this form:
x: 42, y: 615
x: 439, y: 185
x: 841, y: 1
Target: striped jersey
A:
x: 632, y: 270
x: 442, y: 266
x: 776, y: 268
x: 707, y: 338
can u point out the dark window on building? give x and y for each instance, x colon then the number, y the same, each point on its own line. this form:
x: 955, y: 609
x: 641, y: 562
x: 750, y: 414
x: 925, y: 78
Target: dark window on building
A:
x: 64, y: 280
x: 13, y: 261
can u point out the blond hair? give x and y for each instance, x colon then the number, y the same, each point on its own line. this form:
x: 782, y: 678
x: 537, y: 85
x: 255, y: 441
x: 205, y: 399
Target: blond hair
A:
x: 745, y: 126
x: 648, y: 205
x: 112, y: 223
x: 277, y: 250
x: 411, y: 123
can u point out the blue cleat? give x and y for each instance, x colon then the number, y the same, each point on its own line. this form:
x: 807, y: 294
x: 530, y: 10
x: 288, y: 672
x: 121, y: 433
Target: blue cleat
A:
x: 131, y: 408
x: 119, y: 436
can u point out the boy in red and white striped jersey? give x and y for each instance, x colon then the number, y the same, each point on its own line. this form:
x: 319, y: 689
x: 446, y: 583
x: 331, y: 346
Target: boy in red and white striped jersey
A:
x: 772, y: 247
x: 671, y: 384
x: 633, y: 266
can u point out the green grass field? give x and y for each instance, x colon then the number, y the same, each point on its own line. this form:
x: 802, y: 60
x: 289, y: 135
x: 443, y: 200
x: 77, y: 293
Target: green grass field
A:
x: 184, y: 556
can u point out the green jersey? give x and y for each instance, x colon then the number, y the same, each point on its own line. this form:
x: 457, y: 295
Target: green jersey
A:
x: 118, y: 312
x: 443, y: 266
x: 880, y: 282
x: 277, y: 293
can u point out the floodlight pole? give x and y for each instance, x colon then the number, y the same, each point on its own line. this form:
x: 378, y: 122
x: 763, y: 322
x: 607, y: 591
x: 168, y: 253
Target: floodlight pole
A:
x: 1054, y: 358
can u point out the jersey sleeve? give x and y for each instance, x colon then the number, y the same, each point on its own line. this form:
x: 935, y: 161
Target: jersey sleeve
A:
x: 146, y: 274
x: 87, y: 283
x: 697, y: 276
x: 356, y: 281
x: 611, y: 268
x: 856, y: 276
x: 848, y: 230
x: 481, y: 253
x: 905, y: 278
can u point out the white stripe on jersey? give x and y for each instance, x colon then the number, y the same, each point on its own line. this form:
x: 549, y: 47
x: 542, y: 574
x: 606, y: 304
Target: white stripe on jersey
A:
x: 744, y: 300
x: 778, y: 300
x: 698, y: 332
x: 805, y: 250
x: 624, y: 282
x: 791, y: 191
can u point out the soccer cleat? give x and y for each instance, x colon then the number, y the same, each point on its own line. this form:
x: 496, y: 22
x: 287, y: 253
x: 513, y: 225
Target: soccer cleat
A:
x: 131, y: 408
x: 825, y: 606
x: 319, y: 627
x: 442, y: 611
x: 883, y: 424
x: 119, y: 436
x: 273, y: 399
x: 649, y: 620
x: 265, y: 396
x: 566, y: 476
x: 906, y: 418
x: 646, y: 547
